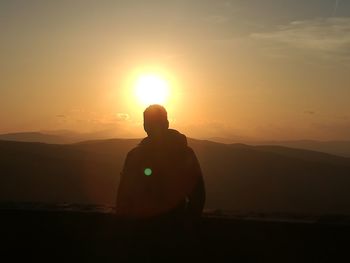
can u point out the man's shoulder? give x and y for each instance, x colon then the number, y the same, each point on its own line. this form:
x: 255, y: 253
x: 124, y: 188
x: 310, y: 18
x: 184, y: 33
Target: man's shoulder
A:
x: 189, y: 150
x: 136, y: 151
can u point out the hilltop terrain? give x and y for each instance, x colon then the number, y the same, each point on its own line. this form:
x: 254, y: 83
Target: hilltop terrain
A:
x: 237, y: 177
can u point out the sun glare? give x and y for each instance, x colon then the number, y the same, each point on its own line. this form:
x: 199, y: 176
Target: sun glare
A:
x: 152, y: 89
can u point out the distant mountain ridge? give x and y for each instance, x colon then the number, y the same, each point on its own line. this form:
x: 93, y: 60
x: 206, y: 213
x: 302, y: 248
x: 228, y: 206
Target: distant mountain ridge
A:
x: 53, y: 137
x: 34, y: 137
x: 340, y: 148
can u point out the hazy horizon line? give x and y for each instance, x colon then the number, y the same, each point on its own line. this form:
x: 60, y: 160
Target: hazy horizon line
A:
x: 218, y: 139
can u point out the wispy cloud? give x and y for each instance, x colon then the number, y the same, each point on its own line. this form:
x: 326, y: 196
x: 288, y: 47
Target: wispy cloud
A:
x: 335, y: 7
x: 310, y: 112
x: 123, y: 116
x: 217, y: 19
x: 329, y: 36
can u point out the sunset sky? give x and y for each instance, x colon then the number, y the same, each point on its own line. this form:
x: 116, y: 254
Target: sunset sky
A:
x: 256, y: 69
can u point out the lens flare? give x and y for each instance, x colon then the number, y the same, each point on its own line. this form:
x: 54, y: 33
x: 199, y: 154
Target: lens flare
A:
x: 148, y: 171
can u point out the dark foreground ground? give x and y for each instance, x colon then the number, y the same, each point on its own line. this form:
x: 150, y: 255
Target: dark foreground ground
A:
x: 85, y: 236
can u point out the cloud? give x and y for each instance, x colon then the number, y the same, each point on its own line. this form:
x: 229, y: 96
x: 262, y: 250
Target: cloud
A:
x: 336, y: 5
x: 82, y: 120
x: 309, y: 112
x: 123, y: 116
x: 328, y: 36
x: 217, y: 19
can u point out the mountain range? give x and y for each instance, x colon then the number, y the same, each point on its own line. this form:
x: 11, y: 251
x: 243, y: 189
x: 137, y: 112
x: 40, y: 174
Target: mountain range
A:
x: 340, y: 148
x: 238, y: 177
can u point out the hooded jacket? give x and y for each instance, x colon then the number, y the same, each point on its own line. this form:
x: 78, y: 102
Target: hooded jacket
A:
x: 161, y: 176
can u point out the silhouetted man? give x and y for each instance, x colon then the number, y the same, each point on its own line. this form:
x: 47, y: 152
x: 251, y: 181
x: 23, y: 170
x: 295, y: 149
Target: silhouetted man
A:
x: 161, y: 176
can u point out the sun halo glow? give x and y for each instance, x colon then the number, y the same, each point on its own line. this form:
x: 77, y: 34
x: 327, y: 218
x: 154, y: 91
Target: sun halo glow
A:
x: 151, y: 89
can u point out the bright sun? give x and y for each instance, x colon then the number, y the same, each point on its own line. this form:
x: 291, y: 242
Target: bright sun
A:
x: 152, y: 89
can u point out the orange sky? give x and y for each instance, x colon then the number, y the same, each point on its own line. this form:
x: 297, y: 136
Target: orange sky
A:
x: 236, y: 68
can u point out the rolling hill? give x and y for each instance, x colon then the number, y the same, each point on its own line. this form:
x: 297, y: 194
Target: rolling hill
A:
x: 238, y: 177
x: 341, y: 148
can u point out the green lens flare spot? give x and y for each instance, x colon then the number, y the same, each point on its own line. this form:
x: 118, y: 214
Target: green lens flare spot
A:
x: 148, y: 171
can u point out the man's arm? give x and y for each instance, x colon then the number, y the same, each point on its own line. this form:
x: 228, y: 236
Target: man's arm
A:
x: 197, y: 196
x: 197, y: 199
x: 122, y: 192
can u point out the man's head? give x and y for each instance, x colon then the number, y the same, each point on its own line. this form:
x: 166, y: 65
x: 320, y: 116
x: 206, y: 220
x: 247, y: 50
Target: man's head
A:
x: 155, y: 120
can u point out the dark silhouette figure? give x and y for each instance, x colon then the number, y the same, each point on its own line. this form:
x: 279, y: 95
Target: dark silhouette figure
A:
x: 161, y: 176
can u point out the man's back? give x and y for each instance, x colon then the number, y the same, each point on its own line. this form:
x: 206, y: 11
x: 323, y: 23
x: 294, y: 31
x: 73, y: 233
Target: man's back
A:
x: 161, y: 177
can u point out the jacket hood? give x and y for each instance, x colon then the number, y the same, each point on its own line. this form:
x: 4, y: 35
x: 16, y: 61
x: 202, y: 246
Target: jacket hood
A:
x: 171, y: 138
